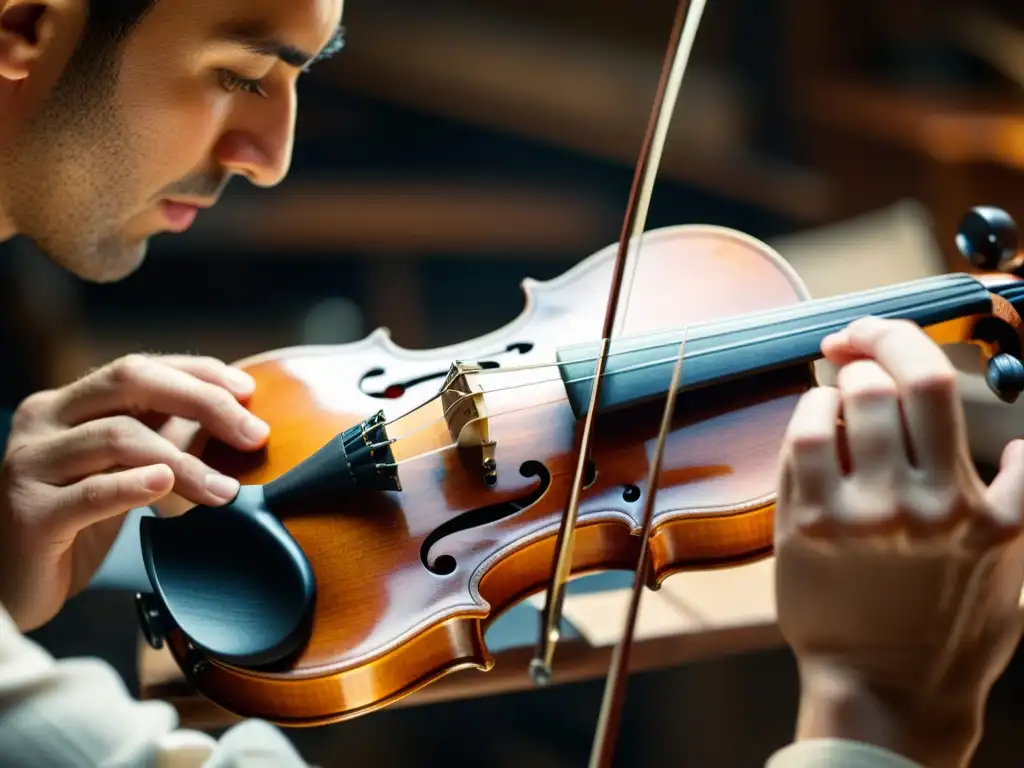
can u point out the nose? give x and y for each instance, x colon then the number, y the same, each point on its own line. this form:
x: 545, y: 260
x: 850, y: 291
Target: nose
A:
x: 258, y: 142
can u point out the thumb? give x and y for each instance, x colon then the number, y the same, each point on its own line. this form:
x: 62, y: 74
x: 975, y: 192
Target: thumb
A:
x: 1006, y: 493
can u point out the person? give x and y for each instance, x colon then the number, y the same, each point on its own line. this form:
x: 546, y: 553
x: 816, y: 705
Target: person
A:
x: 898, y: 571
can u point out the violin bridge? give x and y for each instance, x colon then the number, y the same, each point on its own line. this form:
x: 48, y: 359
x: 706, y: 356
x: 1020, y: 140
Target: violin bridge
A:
x: 465, y: 412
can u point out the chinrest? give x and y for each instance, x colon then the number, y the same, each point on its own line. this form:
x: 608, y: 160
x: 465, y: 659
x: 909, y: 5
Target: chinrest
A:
x: 232, y: 579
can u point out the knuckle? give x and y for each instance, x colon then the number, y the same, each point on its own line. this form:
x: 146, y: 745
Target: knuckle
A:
x: 32, y: 409
x: 27, y: 506
x: 940, y: 382
x: 220, y: 404
x: 869, y: 392
x: 817, y: 400
x: 869, y: 503
x: 18, y: 461
x: 865, y: 379
x: 93, y: 492
x: 130, y: 368
x: 120, y: 435
x: 933, y: 504
x: 878, y: 438
x: 209, y: 362
x: 811, y: 441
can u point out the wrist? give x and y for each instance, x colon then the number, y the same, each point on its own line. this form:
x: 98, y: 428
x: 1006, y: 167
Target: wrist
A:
x: 935, y: 732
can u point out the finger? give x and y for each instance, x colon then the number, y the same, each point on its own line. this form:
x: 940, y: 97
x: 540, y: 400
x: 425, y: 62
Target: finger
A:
x: 121, y: 441
x: 810, y: 459
x: 101, y: 497
x: 139, y: 384
x: 932, y: 410
x: 185, y: 434
x: 873, y: 424
x: 838, y: 349
x: 213, y: 371
x: 1005, y: 495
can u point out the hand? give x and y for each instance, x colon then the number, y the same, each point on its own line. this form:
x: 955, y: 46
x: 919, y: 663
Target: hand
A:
x: 79, y: 458
x: 898, y: 572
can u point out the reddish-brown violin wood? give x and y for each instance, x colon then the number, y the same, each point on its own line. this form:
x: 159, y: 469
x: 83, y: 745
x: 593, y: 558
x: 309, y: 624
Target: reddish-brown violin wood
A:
x: 385, y: 625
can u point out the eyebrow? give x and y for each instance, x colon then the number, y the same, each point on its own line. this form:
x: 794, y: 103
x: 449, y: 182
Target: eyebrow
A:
x: 264, y: 44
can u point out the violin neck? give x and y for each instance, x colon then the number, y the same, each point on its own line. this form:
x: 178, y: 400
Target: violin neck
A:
x: 639, y: 368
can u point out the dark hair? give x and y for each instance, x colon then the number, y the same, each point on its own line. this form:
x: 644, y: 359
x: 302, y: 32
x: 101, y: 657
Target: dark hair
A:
x: 112, y: 21
x: 92, y: 70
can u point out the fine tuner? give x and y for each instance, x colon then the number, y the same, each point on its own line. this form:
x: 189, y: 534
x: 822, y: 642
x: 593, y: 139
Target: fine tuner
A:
x: 987, y: 238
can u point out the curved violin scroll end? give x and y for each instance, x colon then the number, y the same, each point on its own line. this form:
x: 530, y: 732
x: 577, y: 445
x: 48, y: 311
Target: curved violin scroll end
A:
x: 231, y: 579
x: 1004, y: 374
x: 988, y: 238
x: 1002, y: 338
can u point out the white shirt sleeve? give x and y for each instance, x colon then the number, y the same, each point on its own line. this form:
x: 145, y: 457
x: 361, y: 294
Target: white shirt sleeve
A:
x: 78, y: 712
x: 836, y: 753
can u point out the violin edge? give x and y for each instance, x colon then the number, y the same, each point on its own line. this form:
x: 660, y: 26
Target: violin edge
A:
x: 456, y: 643
x: 533, y: 291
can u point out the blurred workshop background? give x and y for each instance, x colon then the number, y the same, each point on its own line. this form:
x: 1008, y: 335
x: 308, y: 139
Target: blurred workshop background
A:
x: 457, y: 147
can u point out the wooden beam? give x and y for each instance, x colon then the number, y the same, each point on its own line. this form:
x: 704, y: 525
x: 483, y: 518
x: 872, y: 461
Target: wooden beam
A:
x: 952, y: 128
x: 589, y: 95
x: 407, y: 217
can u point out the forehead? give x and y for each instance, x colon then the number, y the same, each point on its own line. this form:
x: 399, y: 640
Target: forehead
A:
x: 305, y: 24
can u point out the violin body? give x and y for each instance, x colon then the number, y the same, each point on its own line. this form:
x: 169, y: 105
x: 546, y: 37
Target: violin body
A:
x: 408, y: 581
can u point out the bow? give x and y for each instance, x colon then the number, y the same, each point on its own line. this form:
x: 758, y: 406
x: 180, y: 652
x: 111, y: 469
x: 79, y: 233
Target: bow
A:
x: 684, y: 30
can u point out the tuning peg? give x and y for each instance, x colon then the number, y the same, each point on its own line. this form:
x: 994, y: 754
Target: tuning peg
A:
x: 987, y: 237
x: 1005, y: 376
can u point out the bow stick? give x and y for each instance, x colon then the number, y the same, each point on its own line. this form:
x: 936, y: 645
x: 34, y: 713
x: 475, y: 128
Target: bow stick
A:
x: 684, y: 31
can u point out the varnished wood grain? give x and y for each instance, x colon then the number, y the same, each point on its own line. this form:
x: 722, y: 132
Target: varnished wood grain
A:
x: 385, y: 625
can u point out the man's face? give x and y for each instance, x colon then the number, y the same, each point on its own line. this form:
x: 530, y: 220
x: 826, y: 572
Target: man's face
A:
x: 100, y: 160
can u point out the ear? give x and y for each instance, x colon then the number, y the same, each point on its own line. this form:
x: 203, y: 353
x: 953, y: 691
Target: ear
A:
x: 25, y: 31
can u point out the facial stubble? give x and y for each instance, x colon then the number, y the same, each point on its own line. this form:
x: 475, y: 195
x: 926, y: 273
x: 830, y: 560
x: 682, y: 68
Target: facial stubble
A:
x: 73, y: 176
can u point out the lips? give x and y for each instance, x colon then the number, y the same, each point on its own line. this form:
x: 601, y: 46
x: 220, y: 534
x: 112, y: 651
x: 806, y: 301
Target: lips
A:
x: 179, y: 216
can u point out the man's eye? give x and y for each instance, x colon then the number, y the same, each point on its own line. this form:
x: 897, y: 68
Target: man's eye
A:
x: 233, y: 82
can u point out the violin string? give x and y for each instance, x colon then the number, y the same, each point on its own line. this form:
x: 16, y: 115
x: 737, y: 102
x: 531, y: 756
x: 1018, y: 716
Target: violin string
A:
x: 636, y: 367
x: 743, y: 322
x: 725, y: 326
x: 450, y: 446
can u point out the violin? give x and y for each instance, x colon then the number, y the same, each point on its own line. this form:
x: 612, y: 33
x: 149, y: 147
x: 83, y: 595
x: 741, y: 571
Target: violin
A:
x: 630, y: 418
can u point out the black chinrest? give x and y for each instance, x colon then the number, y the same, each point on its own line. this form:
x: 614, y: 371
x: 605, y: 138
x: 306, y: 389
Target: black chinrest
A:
x: 232, y: 579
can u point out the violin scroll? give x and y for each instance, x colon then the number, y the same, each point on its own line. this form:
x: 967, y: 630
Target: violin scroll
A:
x: 1005, y: 376
x: 987, y: 238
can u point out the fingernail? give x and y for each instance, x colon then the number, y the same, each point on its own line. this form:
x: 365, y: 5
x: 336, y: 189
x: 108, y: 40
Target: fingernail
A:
x: 156, y: 478
x: 255, y: 430
x: 222, y: 486
x: 241, y: 381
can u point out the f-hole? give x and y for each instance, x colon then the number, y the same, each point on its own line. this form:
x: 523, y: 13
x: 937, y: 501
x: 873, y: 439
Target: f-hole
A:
x: 443, y: 565
x: 389, y: 390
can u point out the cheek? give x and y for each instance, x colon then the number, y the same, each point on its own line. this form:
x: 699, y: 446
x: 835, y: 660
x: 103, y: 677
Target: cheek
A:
x: 174, y: 129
